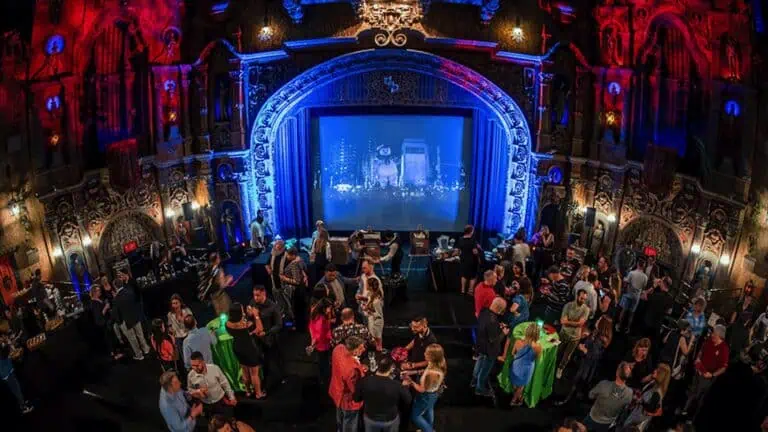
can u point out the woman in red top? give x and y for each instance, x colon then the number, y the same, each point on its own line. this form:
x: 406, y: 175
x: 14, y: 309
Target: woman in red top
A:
x: 320, y: 318
x: 163, y: 344
x: 485, y: 292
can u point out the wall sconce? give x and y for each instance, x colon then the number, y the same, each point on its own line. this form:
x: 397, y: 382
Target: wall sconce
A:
x: 517, y: 31
x: 15, y: 210
x: 612, y: 218
x: 195, y: 205
x: 54, y: 140
x: 87, y: 241
x: 172, y: 116
x: 610, y: 118
x: 583, y: 210
x: 266, y: 31
x: 725, y: 259
x: 695, y: 249
x: 169, y: 213
x: 57, y: 252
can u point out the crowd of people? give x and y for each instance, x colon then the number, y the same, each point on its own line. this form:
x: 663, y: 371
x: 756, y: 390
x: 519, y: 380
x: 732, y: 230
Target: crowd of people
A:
x: 535, y: 296
x: 673, y: 345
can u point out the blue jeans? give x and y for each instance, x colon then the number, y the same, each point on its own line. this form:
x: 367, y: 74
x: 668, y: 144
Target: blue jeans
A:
x: 381, y: 426
x: 593, y: 426
x: 483, y: 366
x: 423, y: 411
x: 15, y: 387
x: 346, y: 421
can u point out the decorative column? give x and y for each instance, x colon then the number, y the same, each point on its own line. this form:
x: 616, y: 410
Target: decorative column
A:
x: 204, y: 138
x: 238, y: 104
x: 594, y: 151
x: 158, y: 110
x: 577, y: 142
x: 534, y: 196
x: 698, y: 239
x: 185, y: 109
x: 544, y: 128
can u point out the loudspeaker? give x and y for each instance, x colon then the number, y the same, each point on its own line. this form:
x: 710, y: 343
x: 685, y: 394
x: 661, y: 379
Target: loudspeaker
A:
x: 189, y: 213
x: 589, y: 217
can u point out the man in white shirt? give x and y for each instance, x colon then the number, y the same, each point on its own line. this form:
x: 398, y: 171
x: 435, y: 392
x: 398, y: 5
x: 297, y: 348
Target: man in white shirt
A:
x: 520, y: 251
x: 362, y: 291
x: 636, y: 281
x: 208, y: 384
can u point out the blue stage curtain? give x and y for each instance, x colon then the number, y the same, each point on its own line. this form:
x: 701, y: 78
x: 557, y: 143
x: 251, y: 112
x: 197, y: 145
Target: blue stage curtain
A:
x: 489, y: 177
x: 293, y: 178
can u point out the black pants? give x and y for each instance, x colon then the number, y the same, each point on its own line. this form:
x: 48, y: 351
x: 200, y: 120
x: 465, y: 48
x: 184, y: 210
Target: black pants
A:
x: 219, y: 408
x: 273, y: 373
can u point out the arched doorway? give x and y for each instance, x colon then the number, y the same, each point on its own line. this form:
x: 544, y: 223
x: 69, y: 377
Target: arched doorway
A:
x: 125, y: 228
x: 653, y: 232
x: 387, y: 77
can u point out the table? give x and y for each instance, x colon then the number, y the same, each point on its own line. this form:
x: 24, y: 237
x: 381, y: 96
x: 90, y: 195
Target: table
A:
x: 224, y: 355
x: 540, y: 386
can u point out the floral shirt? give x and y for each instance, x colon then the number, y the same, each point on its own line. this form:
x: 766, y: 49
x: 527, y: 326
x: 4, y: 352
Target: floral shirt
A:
x: 342, y: 332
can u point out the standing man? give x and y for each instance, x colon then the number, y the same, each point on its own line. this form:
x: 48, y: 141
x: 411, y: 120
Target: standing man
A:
x: 520, y: 250
x: 711, y: 362
x: 660, y: 304
x: 611, y: 397
x: 604, y: 272
x: 556, y: 294
x: 636, y: 281
x: 423, y: 337
x: 37, y: 291
x: 349, y: 328
x: 127, y: 312
x: 178, y: 415
x: 211, y: 387
x: 363, y: 295
x: 382, y: 398
x: 489, y: 345
x: 337, y: 283
x: 272, y: 323
x: 588, y: 286
x: 198, y: 340
x: 291, y: 279
x: 275, y: 267
x: 697, y: 318
x: 573, y: 319
x: 485, y: 291
x: 346, y: 371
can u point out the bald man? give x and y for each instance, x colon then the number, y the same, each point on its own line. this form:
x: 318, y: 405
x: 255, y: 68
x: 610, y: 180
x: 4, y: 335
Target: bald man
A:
x: 489, y: 345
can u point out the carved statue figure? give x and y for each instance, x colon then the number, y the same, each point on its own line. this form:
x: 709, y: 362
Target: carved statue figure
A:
x: 732, y: 56
x: 228, y: 219
x: 597, y: 238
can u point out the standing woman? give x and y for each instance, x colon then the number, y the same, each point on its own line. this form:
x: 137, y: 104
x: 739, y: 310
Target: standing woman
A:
x: 164, y: 345
x: 102, y: 318
x: 648, y: 405
x: 320, y: 255
x: 246, y: 349
x: 741, y: 320
x: 428, y: 388
x: 374, y: 311
x: 469, y: 259
x: 519, y: 309
x: 593, y: 347
x: 320, y: 320
x: 525, y: 352
x: 176, y: 316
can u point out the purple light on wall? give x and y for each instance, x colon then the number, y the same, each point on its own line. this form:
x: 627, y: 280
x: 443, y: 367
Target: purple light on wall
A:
x: 614, y: 88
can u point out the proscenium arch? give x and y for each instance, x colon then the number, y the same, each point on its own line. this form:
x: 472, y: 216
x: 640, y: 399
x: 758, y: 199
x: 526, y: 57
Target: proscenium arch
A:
x: 503, y: 106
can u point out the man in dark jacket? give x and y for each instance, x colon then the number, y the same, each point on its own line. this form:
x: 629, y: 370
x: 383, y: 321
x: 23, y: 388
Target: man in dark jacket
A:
x: 127, y: 312
x: 272, y: 323
x: 489, y: 345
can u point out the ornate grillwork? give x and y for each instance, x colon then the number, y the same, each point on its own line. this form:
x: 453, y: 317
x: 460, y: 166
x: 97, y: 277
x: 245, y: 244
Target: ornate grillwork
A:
x: 390, y: 20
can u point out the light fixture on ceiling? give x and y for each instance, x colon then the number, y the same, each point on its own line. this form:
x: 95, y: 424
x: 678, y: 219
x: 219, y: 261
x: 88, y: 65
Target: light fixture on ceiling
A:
x: 87, y: 241
x: 517, y: 31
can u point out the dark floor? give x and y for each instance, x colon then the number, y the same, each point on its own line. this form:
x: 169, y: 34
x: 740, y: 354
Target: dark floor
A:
x: 123, y: 397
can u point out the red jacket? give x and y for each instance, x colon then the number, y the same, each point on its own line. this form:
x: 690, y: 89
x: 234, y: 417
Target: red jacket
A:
x: 345, y: 372
x: 484, y: 295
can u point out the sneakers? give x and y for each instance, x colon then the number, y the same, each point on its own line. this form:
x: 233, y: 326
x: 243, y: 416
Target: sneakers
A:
x: 138, y: 357
x: 27, y: 408
x: 559, y: 373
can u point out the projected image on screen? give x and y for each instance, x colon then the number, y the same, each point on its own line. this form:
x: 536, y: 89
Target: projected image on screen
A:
x: 392, y: 171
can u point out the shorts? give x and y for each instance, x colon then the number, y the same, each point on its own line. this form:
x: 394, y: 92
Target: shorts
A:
x: 629, y: 302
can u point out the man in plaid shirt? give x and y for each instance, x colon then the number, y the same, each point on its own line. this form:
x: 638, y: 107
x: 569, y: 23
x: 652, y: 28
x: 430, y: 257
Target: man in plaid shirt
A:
x: 696, y: 317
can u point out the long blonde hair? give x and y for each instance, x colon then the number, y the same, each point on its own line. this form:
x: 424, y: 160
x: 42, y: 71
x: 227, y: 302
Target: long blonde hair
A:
x: 321, y: 241
x: 435, y: 357
x: 663, y: 373
x: 532, y: 333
